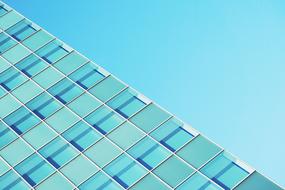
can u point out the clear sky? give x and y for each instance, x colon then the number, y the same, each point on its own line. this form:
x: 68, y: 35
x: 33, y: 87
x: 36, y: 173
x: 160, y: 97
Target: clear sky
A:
x: 216, y: 64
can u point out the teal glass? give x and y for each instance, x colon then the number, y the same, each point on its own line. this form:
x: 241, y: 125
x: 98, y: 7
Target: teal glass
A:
x: 6, y: 135
x: 149, y: 182
x: 21, y: 30
x: 3, y: 11
x: 9, y: 19
x: 11, y: 78
x: 4, y: 65
x: 55, y: 181
x: 12, y: 181
x: 37, y: 40
x: 51, y: 74
x: 9, y: 103
x: 6, y: 42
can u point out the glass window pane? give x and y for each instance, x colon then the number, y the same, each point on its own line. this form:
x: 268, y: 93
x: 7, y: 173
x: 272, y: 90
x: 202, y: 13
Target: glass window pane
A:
x: 107, y: 88
x: 37, y: 40
x: 9, y: 103
x: 34, y: 169
x: 84, y: 104
x: 14, y: 157
x: 3, y: 10
x: 99, y: 181
x: 16, y: 53
x: 39, y: 136
x: 127, y: 103
x: 6, y: 42
x: 199, y: 151
x: 79, y: 170
x: 87, y: 75
x: 149, y: 118
x: 11, y: 78
x: 125, y: 171
x: 102, y: 152
x: 225, y: 171
x: 65, y: 91
x: 81, y: 136
x: 9, y: 19
x: 165, y: 171
x: 62, y: 120
x: 125, y: 130
x: 21, y: 120
x: 58, y: 152
x: 12, y: 181
x: 48, y: 77
x: 3, y: 63
x: 31, y: 65
x: 70, y: 62
x: 104, y: 120
x: 150, y: 182
x: 52, y: 52
x: 198, y: 182
x: 21, y: 30
x: 56, y: 181
x: 149, y: 153
x: 3, y: 167
x: 172, y: 134
x: 6, y: 135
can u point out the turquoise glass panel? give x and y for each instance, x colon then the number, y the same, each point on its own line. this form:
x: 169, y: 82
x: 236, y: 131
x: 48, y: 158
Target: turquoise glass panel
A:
x: 6, y: 42
x: 16, y: 53
x: 11, y: 78
x: 9, y: 19
x: 9, y: 103
x: 27, y: 91
x: 21, y: 30
x: 149, y: 182
x: 6, y: 135
x: 12, y: 181
x: 3, y: 10
x: 3, y: 63
x: 51, y: 74
x: 37, y: 40
x: 3, y: 167
x: 55, y: 182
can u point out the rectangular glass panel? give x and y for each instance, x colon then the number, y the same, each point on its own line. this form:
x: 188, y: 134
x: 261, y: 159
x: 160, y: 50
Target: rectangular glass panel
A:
x: 37, y: 40
x: 6, y: 135
x: 11, y: 79
x: 9, y: 19
x: 12, y: 181
x: 21, y: 30
x: 6, y: 42
x: 9, y: 103
x: 48, y: 77
x: 150, y: 182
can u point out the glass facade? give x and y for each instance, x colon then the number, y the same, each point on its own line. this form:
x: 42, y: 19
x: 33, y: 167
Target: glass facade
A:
x: 66, y: 123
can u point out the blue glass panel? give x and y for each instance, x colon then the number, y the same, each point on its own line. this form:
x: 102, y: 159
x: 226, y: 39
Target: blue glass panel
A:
x: 11, y: 78
x: 81, y: 136
x: 21, y: 120
x: 31, y: 65
x: 6, y: 42
x: 58, y: 152
x: 3, y: 10
x: 12, y: 181
x: 6, y: 135
x: 65, y: 91
x: 34, y: 169
x: 21, y: 30
x: 43, y: 105
x: 87, y: 76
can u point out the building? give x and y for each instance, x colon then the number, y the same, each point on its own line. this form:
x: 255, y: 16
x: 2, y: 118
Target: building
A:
x: 66, y: 123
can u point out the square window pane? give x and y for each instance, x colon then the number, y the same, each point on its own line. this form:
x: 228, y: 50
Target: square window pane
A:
x: 21, y: 30
x: 172, y: 134
x: 150, y: 182
x: 9, y: 19
x: 39, y: 136
x: 55, y: 182
x: 107, y: 88
x: 62, y: 120
x: 81, y: 136
x: 125, y: 171
x: 6, y: 135
x: 14, y: 157
x: 102, y: 152
x: 11, y: 78
x: 12, y: 181
x: 104, y: 120
x: 48, y: 77
x: 65, y: 91
x: 6, y: 42
x: 165, y: 171
x: 34, y: 169
x: 87, y: 75
x: 37, y: 40
x: 225, y: 171
x: 125, y: 130
x: 84, y: 104
x: 149, y: 153
x: 16, y: 53
x: 79, y: 170
x: 127, y: 103
x: 9, y: 103
x: 58, y: 152
x: 149, y: 118
x: 198, y: 151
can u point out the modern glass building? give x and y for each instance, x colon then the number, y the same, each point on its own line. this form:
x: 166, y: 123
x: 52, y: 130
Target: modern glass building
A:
x: 66, y: 123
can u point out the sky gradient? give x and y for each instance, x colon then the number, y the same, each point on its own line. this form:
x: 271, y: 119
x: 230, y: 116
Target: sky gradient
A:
x: 218, y: 65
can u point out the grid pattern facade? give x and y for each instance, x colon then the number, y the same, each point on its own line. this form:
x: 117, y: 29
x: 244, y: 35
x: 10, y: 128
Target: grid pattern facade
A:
x: 66, y: 123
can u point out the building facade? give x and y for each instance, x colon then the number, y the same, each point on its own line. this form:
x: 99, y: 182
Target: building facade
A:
x: 66, y: 123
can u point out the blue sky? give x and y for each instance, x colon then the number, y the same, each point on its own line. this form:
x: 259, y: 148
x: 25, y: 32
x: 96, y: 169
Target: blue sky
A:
x: 218, y: 65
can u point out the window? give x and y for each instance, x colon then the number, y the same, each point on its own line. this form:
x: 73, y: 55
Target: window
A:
x: 16, y: 53
x: 52, y: 52
x: 58, y: 152
x: 149, y: 118
x: 31, y: 65
x: 119, y: 135
x: 198, y: 151
x: 165, y: 171
x: 225, y: 170
x: 11, y: 79
x: 79, y: 170
x: 149, y: 153
x: 3, y: 167
x: 56, y: 181
x: 48, y: 77
x: 11, y: 180
x: 81, y: 136
x: 107, y: 88
x: 3, y: 64
x: 6, y: 135
x: 43, y: 105
x: 21, y: 30
x: 99, y: 181
x: 9, y: 19
x: 6, y: 42
x: 2, y: 10
x: 87, y: 75
x: 9, y: 103
x: 34, y: 169
x: 125, y: 171
x: 65, y: 91
x: 172, y: 134
x: 102, y: 152
x: 149, y: 182
x: 198, y: 182
x: 104, y: 120
x: 37, y: 40
x: 127, y: 103
x: 21, y: 120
